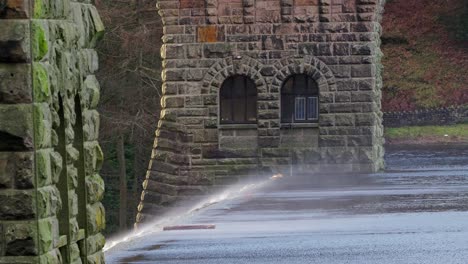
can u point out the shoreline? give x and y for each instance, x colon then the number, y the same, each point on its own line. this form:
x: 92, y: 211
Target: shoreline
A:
x: 423, y: 135
x: 426, y: 141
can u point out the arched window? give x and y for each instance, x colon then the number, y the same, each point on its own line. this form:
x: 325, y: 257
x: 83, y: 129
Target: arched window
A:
x: 238, y: 101
x: 300, y: 100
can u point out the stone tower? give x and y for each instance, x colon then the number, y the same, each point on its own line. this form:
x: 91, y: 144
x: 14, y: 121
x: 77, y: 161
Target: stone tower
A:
x: 50, y: 189
x: 257, y: 85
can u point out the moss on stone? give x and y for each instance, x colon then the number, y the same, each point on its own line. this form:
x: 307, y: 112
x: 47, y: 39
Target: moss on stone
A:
x: 96, y: 218
x: 99, y: 157
x: 51, y: 257
x: 41, y: 84
x: 95, y: 243
x: 42, y: 126
x: 45, y: 235
x: 56, y: 166
x: 39, y: 9
x: 40, y: 43
x: 43, y: 168
x: 98, y: 26
x: 95, y: 187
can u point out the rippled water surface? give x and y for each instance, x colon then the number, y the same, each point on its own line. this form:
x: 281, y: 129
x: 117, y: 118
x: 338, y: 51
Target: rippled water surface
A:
x: 415, y: 212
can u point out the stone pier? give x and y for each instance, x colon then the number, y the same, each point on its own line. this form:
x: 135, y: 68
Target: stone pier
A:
x: 50, y: 188
x: 257, y: 86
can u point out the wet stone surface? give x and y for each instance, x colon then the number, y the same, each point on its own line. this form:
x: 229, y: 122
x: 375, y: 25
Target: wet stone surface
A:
x: 415, y: 212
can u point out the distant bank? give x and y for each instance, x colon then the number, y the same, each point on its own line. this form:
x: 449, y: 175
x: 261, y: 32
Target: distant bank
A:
x: 428, y: 126
x: 446, y: 134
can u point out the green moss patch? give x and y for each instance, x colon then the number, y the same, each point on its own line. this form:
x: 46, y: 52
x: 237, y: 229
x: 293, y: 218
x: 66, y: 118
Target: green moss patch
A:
x: 40, y: 43
x: 41, y: 83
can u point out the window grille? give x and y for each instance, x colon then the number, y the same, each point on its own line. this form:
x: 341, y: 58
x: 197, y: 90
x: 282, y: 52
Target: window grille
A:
x: 300, y: 100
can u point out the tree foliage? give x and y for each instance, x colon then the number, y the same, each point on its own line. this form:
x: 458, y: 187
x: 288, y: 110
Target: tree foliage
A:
x: 130, y: 70
x: 425, y: 63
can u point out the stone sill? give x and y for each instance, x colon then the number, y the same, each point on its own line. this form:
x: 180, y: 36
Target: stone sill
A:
x: 299, y: 125
x: 238, y: 126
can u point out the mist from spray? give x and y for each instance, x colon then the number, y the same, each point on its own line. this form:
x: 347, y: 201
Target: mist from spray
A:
x: 232, y: 192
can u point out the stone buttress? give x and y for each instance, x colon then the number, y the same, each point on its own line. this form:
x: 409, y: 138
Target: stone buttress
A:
x: 50, y: 189
x: 335, y: 42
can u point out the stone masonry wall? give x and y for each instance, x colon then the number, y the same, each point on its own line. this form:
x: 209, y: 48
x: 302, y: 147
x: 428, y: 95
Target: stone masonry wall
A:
x: 50, y: 189
x: 336, y: 42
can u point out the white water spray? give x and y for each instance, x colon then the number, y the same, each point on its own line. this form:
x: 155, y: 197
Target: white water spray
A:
x: 157, y: 226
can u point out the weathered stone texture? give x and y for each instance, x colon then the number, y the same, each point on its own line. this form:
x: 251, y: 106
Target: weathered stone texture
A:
x: 205, y: 42
x: 49, y: 151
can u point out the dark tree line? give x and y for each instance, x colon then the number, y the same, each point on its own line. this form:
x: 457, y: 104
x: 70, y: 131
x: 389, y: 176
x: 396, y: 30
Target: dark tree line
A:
x: 130, y: 70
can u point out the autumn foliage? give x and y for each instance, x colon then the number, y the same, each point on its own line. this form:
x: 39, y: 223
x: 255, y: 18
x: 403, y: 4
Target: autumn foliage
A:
x: 425, y: 44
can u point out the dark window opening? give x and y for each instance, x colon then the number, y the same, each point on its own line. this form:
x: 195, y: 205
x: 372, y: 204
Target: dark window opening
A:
x: 299, y: 100
x: 238, y: 101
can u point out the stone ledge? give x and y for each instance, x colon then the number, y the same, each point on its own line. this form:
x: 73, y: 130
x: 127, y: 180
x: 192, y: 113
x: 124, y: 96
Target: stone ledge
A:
x: 299, y: 125
x: 237, y: 126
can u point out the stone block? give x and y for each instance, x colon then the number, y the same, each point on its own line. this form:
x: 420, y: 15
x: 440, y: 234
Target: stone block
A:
x: 207, y: 34
x: 173, y: 51
x: 269, y: 142
x: 363, y: 96
x: 306, y: 156
x: 48, y: 234
x: 93, y: 157
x: 17, y: 205
x: 94, y: 243
x: 20, y: 239
x: 74, y: 254
x: 56, y: 166
x: 366, y: 70
x: 48, y: 200
x: 16, y: 127
x: 238, y: 142
x: 332, y: 141
x: 360, y: 141
x: 15, y: 83
x: 98, y: 26
x: 43, y: 167
x: 40, y: 39
x: 15, y: 41
x: 91, y: 124
x: 73, y: 202
x: 42, y: 125
x: 272, y: 42
x: 367, y: 155
x: 96, y: 258
x: 95, y: 188
x: 17, y: 170
x: 275, y: 152
x: 90, y: 93
x: 95, y: 218
x: 367, y: 119
x: 218, y: 50
x: 15, y: 9
x: 344, y: 120
x: 41, y: 83
x: 52, y: 257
